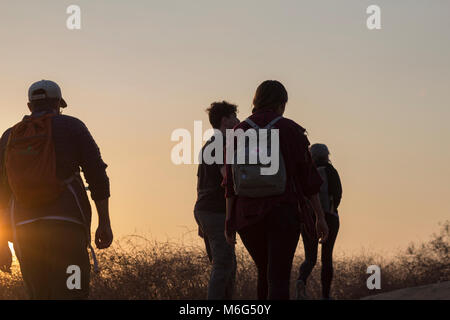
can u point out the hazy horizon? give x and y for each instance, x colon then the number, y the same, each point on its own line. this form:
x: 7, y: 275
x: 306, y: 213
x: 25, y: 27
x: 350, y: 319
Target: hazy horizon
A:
x: 137, y: 71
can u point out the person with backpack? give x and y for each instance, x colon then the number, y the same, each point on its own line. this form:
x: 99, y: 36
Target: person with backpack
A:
x: 265, y: 209
x: 43, y: 199
x: 209, y: 210
x: 330, y: 198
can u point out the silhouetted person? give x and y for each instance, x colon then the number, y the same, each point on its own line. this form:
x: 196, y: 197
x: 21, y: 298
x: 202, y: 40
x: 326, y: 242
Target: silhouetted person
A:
x: 330, y: 198
x: 210, y: 207
x: 44, y: 201
x: 269, y: 226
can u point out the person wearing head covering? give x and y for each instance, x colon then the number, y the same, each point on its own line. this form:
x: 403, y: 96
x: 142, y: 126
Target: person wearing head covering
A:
x: 44, y: 201
x: 330, y: 197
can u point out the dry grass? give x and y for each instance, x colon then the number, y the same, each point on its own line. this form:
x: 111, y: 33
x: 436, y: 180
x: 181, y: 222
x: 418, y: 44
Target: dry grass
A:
x: 137, y: 268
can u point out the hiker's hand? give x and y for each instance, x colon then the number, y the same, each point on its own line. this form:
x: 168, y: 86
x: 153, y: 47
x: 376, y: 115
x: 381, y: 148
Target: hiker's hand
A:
x: 322, y: 230
x: 230, y: 237
x: 103, y: 236
x: 5, y: 258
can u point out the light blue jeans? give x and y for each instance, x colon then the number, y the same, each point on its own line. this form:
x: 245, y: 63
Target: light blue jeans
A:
x: 220, y: 253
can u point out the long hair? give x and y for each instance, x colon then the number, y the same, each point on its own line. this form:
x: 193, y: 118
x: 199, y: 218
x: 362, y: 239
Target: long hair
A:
x: 269, y: 96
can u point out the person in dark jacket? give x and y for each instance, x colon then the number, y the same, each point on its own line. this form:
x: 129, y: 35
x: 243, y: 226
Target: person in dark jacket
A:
x: 269, y: 226
x: 209, y: 210
x: 330, y: 196
x: 51, y: 240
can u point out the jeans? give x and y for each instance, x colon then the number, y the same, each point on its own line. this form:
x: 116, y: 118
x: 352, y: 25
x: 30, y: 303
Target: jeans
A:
x: 311, y: 247
x: 272, y: 243
x: 220, y: 253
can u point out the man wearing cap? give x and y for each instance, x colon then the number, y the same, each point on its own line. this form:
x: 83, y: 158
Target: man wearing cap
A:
x: 51, y: 240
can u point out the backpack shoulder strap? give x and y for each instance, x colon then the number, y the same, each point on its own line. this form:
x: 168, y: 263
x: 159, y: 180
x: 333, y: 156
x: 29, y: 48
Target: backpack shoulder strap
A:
x: 251, y: 123
x: 271, y: 123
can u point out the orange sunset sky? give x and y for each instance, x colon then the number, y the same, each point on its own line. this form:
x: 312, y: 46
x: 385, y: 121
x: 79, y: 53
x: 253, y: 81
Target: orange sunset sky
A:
x: 137, y: 70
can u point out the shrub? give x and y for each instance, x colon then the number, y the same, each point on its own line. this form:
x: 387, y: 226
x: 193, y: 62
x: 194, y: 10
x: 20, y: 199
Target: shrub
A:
x: 138, y: 268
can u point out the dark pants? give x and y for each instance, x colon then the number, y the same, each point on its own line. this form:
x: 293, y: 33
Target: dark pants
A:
x: 45, y: 250
x: 272, y: 243
x: 220, y: 253
x: 311, y: 247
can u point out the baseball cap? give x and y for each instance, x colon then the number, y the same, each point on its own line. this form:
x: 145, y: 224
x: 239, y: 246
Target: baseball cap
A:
x: 50, y: 89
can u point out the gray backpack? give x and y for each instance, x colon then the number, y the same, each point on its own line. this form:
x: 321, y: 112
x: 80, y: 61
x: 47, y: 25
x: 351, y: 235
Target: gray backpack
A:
x: 326, y: 200
x: 247, y: 178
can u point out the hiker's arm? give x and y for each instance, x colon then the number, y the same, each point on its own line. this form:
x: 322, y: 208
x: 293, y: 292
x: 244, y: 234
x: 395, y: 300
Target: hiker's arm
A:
x: 321, y: 224
x: 5, y: 190
x: 94, y: 170
x: 230, y: 198
x: 5, y: 194
x: 308, y: 175
x: 5, y: 257
x: 91, y: 163
x: 229, y: 207
x: 315, y: 202
x: 5, y: 252
x: 103, y: 211
x: 103, y: 235
x: 5, y: 237
x: 310, y: 183
x: 230, y: 234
